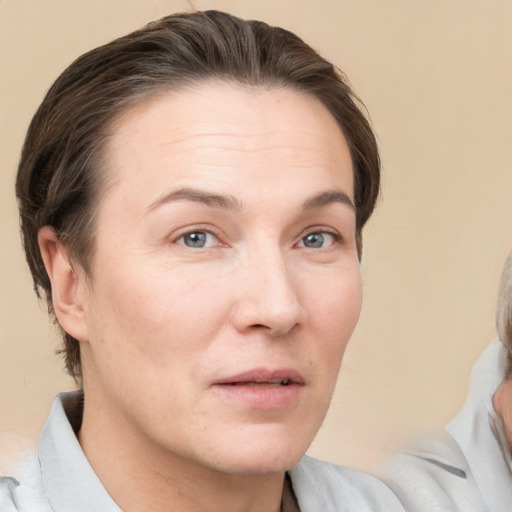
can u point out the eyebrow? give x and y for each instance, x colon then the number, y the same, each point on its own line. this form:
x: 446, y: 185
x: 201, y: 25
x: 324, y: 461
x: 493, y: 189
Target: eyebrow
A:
x: 199, y: 196
x: 232, y: 203
x: 326, y: 198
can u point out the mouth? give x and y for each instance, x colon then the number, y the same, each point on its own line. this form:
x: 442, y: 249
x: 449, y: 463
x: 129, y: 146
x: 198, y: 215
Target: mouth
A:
x: 262, y: 377
x: 273, y: 383
x: 262, y: 388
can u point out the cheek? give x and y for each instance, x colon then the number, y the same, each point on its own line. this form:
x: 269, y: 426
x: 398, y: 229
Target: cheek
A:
x: 336, y: 296
x: 334, y: 313
x: 155, y: 319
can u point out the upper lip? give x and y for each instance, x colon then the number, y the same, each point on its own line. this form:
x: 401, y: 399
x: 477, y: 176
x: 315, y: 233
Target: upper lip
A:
x: 261, y: 375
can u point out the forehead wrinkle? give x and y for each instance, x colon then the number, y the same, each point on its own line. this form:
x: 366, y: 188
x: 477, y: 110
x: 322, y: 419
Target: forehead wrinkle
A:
x: 218, y: 154
x: 209, y: 138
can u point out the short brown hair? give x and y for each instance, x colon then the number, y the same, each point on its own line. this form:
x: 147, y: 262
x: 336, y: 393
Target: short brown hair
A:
x: 59, y: 180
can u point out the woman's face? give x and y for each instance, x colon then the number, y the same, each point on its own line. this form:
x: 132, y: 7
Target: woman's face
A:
x: 225, y: 279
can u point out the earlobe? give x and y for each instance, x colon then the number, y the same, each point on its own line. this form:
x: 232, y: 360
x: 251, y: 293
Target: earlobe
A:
x: 67, y: 284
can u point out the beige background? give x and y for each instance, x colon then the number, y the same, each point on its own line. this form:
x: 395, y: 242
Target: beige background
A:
x: 437, y: 79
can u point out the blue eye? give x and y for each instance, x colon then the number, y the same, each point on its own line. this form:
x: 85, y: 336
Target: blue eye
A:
x: 198, y: 239
x: 317, y: 240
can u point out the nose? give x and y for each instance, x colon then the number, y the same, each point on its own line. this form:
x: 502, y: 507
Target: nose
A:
x: 268, y: 297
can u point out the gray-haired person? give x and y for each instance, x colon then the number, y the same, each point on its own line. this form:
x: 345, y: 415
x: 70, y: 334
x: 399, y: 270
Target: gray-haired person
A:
x: 192, y: 197
x: 469, y: 467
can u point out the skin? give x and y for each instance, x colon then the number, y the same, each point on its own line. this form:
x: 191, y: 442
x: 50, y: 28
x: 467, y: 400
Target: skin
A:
x: 502, y: 402
x: 264, y: 178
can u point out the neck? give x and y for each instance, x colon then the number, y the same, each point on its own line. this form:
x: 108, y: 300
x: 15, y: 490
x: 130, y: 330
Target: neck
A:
x: 141, y: 476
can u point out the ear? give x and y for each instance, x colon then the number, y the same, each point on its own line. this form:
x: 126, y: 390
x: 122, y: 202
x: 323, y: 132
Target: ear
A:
x: 69, y: 287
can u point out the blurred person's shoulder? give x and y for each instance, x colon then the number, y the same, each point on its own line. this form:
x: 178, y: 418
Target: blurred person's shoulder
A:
x: 22, y: 491
x: 433, y: 475
x: 466, y: 467
x: 320, y: 485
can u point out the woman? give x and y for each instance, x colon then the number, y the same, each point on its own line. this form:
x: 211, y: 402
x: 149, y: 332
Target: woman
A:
x: 192, y: 198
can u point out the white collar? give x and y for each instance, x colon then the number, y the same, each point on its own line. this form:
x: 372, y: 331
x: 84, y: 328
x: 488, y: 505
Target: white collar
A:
x: 69, y: 481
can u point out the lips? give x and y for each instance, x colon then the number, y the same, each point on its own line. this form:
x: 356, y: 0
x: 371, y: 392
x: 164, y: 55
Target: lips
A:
x: 262, y: 388
x: 262, y: 377
x: 268, y: 384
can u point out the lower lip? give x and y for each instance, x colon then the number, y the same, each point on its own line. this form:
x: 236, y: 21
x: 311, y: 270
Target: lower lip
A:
x: 262, y: 397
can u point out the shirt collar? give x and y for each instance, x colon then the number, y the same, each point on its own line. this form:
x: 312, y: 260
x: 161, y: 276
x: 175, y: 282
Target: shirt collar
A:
x: 69, y: 481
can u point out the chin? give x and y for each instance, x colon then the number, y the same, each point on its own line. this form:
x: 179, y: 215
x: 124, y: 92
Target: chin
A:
x: 264, y: 454
x: 264, y: 466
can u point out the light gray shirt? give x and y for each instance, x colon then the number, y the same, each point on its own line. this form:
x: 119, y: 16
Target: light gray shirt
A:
x: 64, y: 481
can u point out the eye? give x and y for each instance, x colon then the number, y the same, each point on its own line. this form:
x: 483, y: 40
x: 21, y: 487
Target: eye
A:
x: 318, y: 240
x: 198, y: 239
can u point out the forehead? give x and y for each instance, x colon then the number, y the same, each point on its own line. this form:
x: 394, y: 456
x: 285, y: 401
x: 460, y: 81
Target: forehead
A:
x: 206, y: 131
